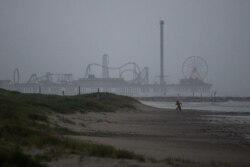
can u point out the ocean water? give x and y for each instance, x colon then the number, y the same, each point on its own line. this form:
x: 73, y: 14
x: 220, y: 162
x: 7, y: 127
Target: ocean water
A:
x: 230, y: 106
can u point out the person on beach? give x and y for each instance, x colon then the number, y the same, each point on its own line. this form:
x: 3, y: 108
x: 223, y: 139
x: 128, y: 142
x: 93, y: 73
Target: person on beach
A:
x: 178, y: 105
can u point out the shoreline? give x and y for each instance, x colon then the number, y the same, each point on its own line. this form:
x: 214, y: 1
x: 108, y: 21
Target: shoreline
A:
x: 160, y: 135
x: 195, y: 98
x: 215, y: 107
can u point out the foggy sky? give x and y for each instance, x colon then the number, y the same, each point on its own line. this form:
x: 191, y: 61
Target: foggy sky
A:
x: 62, y: 36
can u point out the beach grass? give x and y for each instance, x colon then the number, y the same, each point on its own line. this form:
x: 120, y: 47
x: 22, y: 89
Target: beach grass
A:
x: 24, y: 123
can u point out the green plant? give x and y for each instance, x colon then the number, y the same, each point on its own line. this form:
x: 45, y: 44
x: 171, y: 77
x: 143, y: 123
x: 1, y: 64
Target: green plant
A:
x: 24, y: 122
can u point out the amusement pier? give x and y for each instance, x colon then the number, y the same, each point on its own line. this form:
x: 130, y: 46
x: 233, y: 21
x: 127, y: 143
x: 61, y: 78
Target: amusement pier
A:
x: 194, y: 71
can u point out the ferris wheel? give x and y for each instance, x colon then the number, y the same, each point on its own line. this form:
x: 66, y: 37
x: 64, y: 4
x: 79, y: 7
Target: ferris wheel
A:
x: 195, y: 68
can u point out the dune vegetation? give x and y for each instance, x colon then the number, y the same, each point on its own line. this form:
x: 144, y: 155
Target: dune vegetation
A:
x: 27, y: 137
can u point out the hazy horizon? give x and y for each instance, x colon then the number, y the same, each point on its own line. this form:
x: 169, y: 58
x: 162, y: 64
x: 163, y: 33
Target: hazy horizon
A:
x: 61, y: 36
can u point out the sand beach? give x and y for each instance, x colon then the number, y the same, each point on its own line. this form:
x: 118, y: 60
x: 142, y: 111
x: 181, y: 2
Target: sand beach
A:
x: 165, y: 137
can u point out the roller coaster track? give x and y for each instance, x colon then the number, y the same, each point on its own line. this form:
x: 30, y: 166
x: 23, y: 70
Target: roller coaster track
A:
x: 48, y: 78
x: 33, y: 79
x: 136, y: 69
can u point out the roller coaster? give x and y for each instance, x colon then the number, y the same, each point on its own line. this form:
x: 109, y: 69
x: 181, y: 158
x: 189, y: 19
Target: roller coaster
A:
x: 139, y: 76
x: 50, y: 78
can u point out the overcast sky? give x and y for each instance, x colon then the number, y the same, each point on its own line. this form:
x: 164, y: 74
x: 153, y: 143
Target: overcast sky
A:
x: 64, y: 36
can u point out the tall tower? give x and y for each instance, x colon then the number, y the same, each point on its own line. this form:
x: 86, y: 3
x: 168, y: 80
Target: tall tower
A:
x: 162, y: 52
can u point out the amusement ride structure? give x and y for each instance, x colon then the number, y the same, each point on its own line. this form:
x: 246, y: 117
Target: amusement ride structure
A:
x: 194, y: 70
x: 139, y: 76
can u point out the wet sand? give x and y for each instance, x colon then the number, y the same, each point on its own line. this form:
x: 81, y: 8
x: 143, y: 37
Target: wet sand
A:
x: 191, y: 138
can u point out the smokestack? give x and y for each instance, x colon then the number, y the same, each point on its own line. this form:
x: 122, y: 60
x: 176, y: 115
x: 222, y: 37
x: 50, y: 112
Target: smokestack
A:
x: 162, y: 52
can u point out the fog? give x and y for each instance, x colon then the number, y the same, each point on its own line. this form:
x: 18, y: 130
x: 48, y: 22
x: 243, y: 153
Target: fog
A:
x: 62, y: 36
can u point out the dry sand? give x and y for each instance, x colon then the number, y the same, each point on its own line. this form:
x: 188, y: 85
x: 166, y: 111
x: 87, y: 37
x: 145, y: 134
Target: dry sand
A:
x: 189, y: 138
